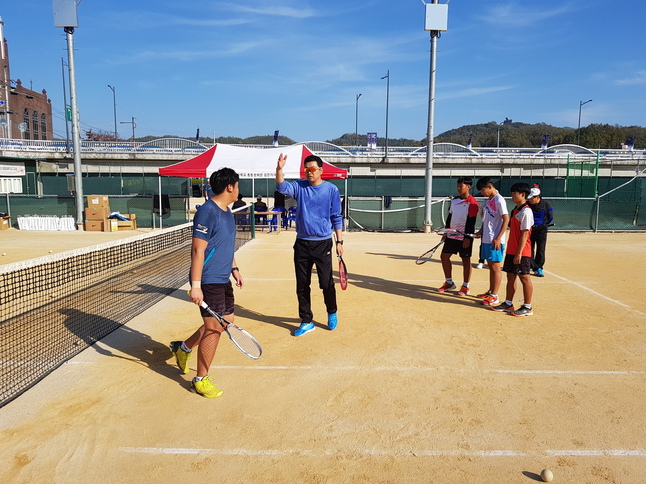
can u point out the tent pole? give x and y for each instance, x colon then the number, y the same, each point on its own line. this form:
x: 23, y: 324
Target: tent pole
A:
x: 160, y: 204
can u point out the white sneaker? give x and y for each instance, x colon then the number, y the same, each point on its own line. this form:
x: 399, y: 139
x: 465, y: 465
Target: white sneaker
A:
x: 480, y: 265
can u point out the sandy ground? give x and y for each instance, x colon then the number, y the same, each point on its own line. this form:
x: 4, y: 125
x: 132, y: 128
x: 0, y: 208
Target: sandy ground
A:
x: 413, y: 386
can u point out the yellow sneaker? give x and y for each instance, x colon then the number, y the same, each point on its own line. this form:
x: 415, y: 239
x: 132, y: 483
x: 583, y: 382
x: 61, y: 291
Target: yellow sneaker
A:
x: 205, y: 388
x: 181, y: 356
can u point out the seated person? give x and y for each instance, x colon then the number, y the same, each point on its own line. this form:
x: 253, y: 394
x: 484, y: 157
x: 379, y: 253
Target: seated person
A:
x: 242, y: 217
x: 260, y: 206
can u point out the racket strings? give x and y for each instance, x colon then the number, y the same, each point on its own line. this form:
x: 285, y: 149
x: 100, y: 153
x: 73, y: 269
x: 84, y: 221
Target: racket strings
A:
x: 244, y: 341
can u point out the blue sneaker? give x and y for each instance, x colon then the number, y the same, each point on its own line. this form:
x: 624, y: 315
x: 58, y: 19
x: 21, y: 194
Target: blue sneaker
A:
x: 332, y: 321
x: 539, y: 272
x: 304, y: 328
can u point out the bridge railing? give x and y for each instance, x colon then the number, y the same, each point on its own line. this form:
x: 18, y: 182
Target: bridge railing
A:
x: 444, y: 150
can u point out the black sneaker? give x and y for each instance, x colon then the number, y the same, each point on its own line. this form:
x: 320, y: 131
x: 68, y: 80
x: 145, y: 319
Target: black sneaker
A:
x: 523, y: 311
x: 504, y: 307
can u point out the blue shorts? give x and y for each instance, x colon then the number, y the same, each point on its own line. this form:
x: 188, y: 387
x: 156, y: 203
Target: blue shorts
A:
x: 492, y: 255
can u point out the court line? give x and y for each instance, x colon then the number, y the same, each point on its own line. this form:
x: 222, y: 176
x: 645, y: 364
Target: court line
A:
x: 388, y: 453
x: 403, y: 369
x: 581, y: 286
x: 454, y: 370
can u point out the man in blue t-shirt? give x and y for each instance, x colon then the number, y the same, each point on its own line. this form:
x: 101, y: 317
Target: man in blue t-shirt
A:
x: 212, y: 265
x: 317, y: 215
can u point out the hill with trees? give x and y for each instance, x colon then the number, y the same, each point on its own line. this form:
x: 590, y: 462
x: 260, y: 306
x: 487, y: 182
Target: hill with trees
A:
x: 492, y: 134
x: 514, y: 134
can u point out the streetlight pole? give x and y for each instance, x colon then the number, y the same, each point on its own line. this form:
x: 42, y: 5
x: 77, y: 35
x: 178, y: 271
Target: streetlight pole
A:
x: 114, y: 102
x: 65, y: 17
x: 578, y: 130
x: 356, y: 121
x: 387, y: 76
x: 437, y: 17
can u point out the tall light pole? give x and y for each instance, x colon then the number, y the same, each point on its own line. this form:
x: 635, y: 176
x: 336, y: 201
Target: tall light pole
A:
x: 114, y: 103
x: 437, y: 18
x: 387, y: 76
x: 356, y: 121
x: 578, y: 130
x: 65, y: 16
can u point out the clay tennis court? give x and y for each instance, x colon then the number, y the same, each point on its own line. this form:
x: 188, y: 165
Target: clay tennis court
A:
x: 413, y: 386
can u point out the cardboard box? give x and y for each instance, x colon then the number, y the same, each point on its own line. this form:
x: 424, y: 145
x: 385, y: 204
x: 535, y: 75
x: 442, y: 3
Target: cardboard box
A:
x: 99, y: 213
x: 98, y: 201
x: 5, y: 223
x: 128, y: 224
x: 95, y: 225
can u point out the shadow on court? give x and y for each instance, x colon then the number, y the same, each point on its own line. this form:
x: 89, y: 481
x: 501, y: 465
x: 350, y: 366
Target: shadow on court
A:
x: 123, y: 342
x: 412, y: 291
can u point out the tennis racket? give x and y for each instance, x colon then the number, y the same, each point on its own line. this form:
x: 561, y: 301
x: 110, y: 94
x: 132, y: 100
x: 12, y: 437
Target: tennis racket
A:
x: 343, y: 273
x: 456, y: 232
x: 242, y: 340
x: 426, y: 256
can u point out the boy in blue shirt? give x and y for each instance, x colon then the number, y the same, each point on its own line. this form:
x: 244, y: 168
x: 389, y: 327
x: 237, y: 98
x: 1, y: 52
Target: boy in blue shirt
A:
x: 317, y: 215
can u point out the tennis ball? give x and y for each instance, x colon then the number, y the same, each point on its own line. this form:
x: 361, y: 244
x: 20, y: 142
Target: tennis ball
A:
x: 4, y: 253
x: 547, y: 475
x: 51, y: 251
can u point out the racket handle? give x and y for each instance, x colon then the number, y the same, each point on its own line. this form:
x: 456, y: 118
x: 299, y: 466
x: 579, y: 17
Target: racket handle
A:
x: 204, y: 305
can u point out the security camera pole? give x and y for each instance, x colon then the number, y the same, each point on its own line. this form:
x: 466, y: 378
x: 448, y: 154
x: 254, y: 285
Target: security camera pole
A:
x: 65, y: 17
x: 437, y: 17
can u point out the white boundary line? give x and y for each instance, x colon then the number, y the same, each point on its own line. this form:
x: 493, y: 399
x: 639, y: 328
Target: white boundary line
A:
x: 423, y: 369
x: 388, y: 453
x: 403, y: 369
x: 598, y: 294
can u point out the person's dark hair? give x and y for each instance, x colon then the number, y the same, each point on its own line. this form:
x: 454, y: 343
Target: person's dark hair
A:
x: 318, y: 160
x: 221, y: 179
x: 520, y: 187
x: 465, y: 180
x: 483, y: 182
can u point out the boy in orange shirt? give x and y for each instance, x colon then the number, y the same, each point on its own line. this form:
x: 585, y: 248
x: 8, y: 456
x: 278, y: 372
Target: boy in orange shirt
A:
x: 518, y: 260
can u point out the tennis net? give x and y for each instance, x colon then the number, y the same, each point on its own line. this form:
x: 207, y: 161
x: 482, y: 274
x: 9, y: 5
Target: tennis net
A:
x: 53, y: 307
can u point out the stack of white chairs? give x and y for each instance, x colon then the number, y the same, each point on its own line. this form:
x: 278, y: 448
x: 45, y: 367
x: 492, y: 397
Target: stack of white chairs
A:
x: 46, y: 222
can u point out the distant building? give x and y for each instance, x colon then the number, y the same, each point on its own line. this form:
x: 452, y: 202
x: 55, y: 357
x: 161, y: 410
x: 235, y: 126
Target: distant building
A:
x: 24, y: 114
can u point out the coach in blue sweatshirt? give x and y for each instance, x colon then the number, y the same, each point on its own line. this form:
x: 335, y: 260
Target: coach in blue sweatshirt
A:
x: 318, y: 213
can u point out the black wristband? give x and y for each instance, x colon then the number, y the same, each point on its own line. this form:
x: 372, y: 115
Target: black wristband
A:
x: 339, y: 242
x: 235, y: 269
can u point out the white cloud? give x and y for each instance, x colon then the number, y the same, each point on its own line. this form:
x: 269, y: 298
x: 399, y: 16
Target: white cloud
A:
x: 275, y: 11
x: 637, y: 79
x: 511, y: 14
x: 475, y: 91
x: 187, y: 55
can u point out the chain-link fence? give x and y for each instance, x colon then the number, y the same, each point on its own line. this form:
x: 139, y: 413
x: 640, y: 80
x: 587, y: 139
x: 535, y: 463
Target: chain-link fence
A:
x: 572, y: 214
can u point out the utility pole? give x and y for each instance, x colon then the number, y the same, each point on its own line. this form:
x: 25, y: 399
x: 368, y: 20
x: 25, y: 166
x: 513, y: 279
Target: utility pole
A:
x: 437, y: 17
x: 65, y: 16
x: 134, y: 125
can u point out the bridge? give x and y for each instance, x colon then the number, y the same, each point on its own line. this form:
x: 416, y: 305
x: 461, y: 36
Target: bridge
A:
x: 448, y: 158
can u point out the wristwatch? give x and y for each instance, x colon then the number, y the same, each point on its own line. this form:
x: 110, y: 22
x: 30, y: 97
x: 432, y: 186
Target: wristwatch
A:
x: 339, y: 242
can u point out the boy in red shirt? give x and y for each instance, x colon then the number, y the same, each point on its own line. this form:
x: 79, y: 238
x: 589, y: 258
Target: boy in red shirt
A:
x: 518, y: 260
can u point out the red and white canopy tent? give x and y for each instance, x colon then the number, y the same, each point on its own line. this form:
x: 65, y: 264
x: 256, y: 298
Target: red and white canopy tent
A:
x: 249, y: 163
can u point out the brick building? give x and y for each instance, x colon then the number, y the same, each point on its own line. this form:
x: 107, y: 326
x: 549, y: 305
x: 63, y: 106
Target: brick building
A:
x: 24, y: 114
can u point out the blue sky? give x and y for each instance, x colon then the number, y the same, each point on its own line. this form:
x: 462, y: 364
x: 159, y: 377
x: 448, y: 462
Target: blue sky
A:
x: 251, y: 67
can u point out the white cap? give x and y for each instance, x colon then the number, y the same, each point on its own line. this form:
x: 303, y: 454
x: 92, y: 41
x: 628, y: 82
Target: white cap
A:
x: 534, y: 192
